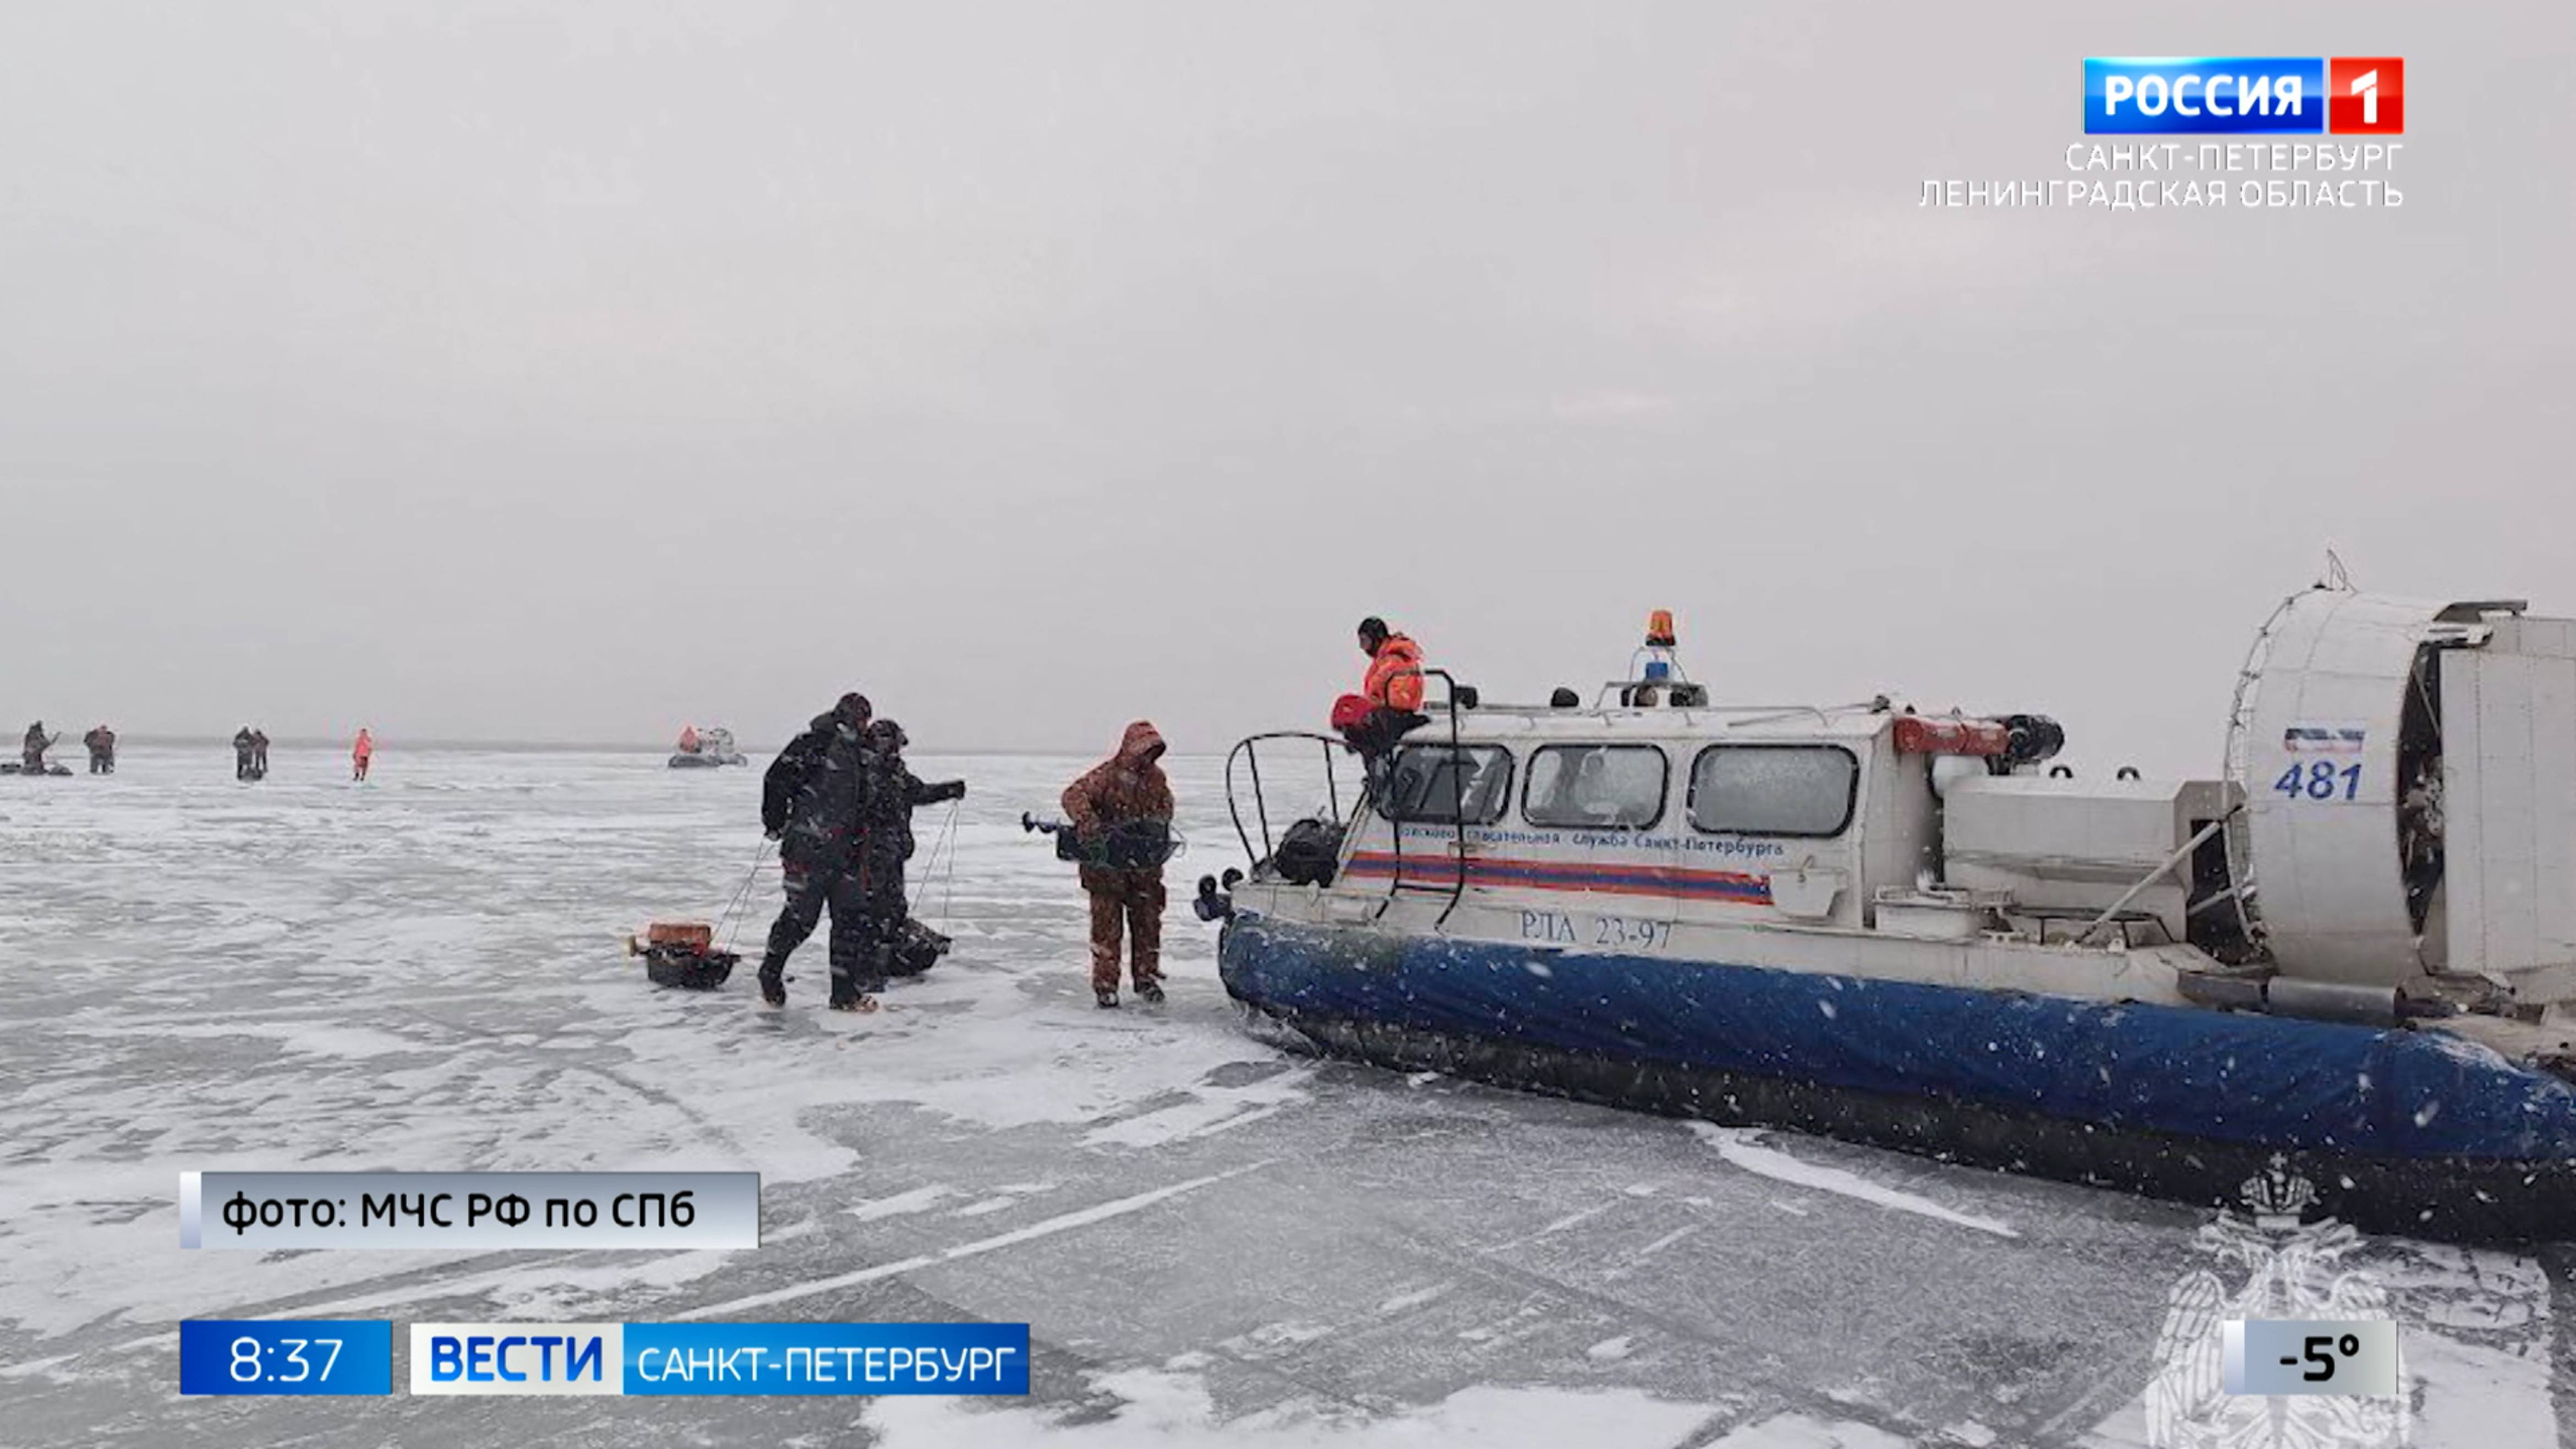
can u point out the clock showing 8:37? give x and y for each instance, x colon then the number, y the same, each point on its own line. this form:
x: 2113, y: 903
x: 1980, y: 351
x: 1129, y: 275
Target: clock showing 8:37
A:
x: 286, y: 1356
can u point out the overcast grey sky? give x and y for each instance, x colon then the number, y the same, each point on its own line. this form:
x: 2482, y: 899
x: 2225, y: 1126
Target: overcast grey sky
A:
x: 571, y: 371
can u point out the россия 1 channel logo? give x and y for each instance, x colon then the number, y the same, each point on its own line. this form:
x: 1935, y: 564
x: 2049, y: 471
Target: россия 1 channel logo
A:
x: 2310, y: 95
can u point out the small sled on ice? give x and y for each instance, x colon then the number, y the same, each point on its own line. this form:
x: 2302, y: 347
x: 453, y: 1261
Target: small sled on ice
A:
x: 917, y: 948
x: 14, y: 767
x: 682, y: 954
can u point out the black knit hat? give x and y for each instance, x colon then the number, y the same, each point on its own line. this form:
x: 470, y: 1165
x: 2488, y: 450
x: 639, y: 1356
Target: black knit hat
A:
x: 855, y: 708
x: 1373, y: 627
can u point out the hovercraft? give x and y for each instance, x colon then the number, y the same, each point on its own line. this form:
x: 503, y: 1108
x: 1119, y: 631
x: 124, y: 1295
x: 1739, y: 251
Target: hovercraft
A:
x: 706, y: 749
x: 2351, y: 957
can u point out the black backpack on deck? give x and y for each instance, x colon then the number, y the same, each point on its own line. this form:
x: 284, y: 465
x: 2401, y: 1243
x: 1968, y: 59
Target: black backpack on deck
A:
x: 1309, y: 853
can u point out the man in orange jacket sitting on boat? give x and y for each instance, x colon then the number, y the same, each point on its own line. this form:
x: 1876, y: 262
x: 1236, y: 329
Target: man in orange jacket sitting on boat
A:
x: 1394, y: 679
x: 1390, y: 698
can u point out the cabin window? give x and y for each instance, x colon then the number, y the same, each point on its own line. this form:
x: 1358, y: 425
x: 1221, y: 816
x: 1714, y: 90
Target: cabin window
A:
x: 1438, y: 785
x: 1793, y: 790
x: 1596, y: 787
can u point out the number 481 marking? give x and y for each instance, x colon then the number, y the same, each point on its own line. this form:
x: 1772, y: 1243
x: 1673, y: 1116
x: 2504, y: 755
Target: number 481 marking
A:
x: 2319, y: 780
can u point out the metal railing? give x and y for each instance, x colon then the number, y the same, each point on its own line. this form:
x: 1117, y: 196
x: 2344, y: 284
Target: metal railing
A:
x: 1247, y: 750
x: 1457, y: 884
x: 1243, y: 763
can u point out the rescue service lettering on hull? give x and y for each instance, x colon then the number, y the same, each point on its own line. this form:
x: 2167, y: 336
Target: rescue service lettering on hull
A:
x: 1733, y: 846
x: 1606, y: 878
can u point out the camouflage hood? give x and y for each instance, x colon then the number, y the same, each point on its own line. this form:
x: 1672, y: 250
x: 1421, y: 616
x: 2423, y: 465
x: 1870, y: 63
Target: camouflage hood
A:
x: 1141, y: 746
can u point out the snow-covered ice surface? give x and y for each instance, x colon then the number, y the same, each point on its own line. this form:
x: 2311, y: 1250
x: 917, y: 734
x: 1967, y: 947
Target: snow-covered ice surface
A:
x: 1211, y: 1238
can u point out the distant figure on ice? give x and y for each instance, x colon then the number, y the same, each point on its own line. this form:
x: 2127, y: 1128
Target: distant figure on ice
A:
x: 101, y: 744
x: 243, y: 745
x: 360, y: 753
x: 1126, y: 788
x: 811, y: 802
x: 891, y: 793
x: 688, y: 739
x: 31, y: 750
x: 259, y: 754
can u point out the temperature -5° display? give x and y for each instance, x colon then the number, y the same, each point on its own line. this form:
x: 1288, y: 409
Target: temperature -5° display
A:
x: 2298, y: 1356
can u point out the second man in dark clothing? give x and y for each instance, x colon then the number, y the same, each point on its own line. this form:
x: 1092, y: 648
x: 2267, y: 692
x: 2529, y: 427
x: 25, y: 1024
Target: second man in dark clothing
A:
x: 31, y: 750
x: 893, y: 793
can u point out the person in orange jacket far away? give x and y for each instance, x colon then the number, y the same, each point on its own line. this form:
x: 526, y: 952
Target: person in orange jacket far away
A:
x: 360, y: 753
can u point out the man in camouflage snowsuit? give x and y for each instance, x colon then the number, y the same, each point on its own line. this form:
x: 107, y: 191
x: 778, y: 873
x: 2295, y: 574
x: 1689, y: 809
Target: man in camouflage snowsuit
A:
x: 1126, y: 788
x: 813, y: 800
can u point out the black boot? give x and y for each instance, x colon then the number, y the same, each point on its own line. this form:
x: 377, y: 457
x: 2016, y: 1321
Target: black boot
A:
x: 773, y: 982
x: 1151, y: 990
x: 1107, y: 997
x: 857, y: 990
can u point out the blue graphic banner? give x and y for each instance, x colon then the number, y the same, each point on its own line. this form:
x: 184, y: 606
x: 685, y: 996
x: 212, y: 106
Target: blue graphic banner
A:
x: 826, y: 1358
x: 2164, y: 95
x: 286, y: 1356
